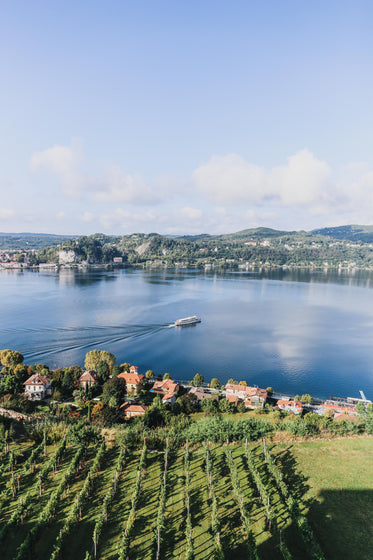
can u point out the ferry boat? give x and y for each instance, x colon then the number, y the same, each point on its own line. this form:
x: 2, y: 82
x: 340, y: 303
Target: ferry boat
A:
x: 187, y: 321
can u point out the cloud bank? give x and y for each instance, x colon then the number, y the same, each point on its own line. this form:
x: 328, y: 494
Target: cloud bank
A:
x: 224, y: 193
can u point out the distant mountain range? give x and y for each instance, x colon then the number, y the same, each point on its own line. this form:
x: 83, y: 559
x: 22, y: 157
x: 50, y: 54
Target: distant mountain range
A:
x: 26, y: 240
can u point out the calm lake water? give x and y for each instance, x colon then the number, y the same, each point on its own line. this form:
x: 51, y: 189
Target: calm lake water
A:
x: 299, y: 332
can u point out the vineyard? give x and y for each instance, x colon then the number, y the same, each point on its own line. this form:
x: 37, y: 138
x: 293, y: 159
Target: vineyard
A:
x: 197, y: 501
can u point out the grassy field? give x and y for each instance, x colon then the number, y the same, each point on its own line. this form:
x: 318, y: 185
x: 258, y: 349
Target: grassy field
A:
x: 331, y: 481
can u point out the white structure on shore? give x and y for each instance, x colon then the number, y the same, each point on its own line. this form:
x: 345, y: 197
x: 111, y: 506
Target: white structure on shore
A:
x: 37, y: 387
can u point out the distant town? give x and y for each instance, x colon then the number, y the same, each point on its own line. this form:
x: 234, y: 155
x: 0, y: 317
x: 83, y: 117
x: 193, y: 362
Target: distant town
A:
x: 346, y: 247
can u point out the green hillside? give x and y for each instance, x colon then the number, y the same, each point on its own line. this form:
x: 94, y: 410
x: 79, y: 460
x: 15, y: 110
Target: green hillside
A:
x: 301, y: 501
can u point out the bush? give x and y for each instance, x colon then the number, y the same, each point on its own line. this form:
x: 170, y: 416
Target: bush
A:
x: 218, y: 430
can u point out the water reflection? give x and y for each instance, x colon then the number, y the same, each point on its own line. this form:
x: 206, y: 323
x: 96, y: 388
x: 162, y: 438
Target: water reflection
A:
x: 299, y: 331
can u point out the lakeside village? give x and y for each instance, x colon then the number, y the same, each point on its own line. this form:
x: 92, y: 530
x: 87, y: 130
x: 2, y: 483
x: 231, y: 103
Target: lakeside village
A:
x: 109, y: 394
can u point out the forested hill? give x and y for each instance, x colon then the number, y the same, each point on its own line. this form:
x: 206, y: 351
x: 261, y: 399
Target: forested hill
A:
x: 353, y: 233
x: 23, y: 241
x: 243, y: 249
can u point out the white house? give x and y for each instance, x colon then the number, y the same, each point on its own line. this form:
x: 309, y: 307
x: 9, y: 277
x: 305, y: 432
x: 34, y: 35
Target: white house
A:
x: 37, y: 387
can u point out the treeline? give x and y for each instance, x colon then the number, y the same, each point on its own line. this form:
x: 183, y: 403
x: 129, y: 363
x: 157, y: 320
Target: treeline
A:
x: 277, y: 249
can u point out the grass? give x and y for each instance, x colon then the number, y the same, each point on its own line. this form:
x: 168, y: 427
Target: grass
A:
x: 332, y: 481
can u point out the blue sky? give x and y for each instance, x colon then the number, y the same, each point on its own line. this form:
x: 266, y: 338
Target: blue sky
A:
x: 185, y: 117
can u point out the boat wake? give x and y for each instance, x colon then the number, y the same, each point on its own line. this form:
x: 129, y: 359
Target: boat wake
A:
x: 37, y: 343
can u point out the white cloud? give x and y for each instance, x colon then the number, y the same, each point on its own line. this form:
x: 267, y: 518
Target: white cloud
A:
x: 188, y: 214
x: 64, y: 162
x: 87, y: 217
x: 6, y: 213
x: 231, y: 180
x: 118, y: 186
x: 110, y: 184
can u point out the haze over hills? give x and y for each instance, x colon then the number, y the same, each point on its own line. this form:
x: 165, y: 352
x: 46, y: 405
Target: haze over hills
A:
x: 29, y: 240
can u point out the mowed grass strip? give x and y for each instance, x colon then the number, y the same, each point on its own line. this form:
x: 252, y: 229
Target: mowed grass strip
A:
x: 142, y: 545
x: 203, y: 543
x: 44, y: 545
x: 339, y: 495
x: 233, y: 538
x: 112, y: 531
x: 80, y: 538
x: 19, y: 532
x: 174, y: 544
x: 253, y: 505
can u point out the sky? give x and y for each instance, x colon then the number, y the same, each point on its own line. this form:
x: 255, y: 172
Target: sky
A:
x: 195, y: 116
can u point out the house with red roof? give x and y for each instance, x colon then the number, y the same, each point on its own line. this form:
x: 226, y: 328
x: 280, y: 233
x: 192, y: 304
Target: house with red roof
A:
x: 130, y: 410
x: 37, y: 387
x: 166, y: 386
x: 290, y: 406
x: 87, y: 379
x: 253, y: 397
x: 134, y: 381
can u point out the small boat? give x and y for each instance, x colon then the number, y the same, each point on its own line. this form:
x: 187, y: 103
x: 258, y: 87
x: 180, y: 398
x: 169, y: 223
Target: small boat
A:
x: 187, y: 321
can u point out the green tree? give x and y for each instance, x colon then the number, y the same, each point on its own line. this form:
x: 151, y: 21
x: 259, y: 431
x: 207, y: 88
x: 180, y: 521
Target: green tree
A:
x: 209, y: 404
x: 306, y: 399
x: 198, y: 380
x: 115, y: 371
x: 269, y: 391
x: 226, y: 406
x: 83, y: 433
x: 94, y: 357
x: 215, y: 383
x: 166, y: 376
x: 3, y: 354
x: 297, y: 398
x: 125, y: 368
x: 10, y: 358
x: 188, y: 403
x: 149, y: 374
x: 241, y: 407
x: 113, y: 392
x: 243, y: 383
x: 103, y: 371
x: 232, y: 381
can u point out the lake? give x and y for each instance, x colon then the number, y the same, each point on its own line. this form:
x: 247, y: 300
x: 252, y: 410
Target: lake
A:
x: 297, y: 331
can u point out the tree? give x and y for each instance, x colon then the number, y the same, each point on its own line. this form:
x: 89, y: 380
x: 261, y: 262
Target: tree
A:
x: 232, y: 381
x: 10, y: 358
x: 243, y: 383
x: 103, y: 371
x: 113, y: 392
x: 149, y: 374
x: 82, y: 433
x: 215, y: 383
x: 269, y: 391
x: 166, y: 376
x: 306, y: 399
x: 125, y: 367
x: 3, y: 354
x: 241, y: 407
x: 209, y: 404
x: 297, y: 398
x: 94, y: 357
x: 188, y: 403
x: 115, y: 371
x: 360, y: 408
x: 225, y: 406
x: 198, y: 380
